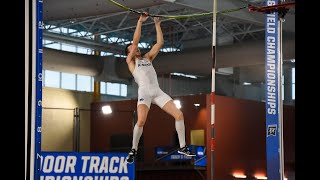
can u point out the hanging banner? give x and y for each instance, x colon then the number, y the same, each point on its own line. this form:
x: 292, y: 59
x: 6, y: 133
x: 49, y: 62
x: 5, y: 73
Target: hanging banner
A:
x: 85, y: 166
x: 272, y: 74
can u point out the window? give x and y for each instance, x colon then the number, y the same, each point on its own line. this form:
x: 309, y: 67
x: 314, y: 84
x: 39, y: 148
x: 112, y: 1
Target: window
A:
x: 103, y: 36
x: 68, y: 81
x: 103, y: 88
x: 67, y: 47
x: 76, y: 34
x: 80, y: 83
x: 143, y: 45
x: 84, y: 34
x: 83, y: 50
x: 64, y: 30
x: 282, y: 88
x: 119, y: 55
x: 169, y: 49
x: 112, y: 39
x: 72, y: 30
x: 84, y: 83
x: 53, y: 46
x: 92, y: 83
x: 293, y: 83
x: 127, y: 42
x: 43, y: 77
x: 49, y: 26
x: 55, y: 30
x: 106, y: 53
x: 47, y: 42
x: 113, y: 89
x: 52, y: 79
x: 124, y: 90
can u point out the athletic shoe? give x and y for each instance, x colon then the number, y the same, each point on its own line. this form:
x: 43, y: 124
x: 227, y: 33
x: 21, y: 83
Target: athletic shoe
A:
x: 185, y: 150
x: 131, y: 156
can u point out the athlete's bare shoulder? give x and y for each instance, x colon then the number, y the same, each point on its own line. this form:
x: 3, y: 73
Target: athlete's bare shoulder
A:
x: 146, y: 58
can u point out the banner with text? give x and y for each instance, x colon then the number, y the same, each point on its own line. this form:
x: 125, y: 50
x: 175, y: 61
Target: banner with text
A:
x: 171, y: 154
x: 272, y: 77
x: 85, y: 166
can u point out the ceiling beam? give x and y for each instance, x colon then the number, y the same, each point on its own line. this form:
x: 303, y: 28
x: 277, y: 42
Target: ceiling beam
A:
x: 250, y: 31
x: 78, y: 41
x: 242, y: 15
x: 96, y: 18
x: 206, y: 5
x: 125, y: 28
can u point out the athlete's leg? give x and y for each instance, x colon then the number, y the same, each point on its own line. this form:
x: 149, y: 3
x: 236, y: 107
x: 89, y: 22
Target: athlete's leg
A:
x: 138, y: 128
x: 171, y: 109
x: 143, y: 106
x: 165, y: 102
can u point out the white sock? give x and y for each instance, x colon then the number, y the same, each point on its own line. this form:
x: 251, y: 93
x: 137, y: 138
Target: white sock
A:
x: 181, y: 132
x: 137, y: 132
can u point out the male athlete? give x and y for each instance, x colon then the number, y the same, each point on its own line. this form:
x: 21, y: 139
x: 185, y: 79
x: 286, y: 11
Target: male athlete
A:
x: 149, y: 91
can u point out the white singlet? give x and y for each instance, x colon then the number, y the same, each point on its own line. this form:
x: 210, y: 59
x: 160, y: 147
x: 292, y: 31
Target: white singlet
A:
x: 149, y: 91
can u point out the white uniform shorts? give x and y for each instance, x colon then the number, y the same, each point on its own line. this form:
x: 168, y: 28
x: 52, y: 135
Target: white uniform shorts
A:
x: 152, y: 94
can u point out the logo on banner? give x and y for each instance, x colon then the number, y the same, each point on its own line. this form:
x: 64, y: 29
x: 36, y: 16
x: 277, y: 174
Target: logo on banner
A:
x: 272, y: 130
x: 40, y: 77
x: 200, y: 151
x: 162, y: 152
x: 41, y: 25
x: 39, y: 103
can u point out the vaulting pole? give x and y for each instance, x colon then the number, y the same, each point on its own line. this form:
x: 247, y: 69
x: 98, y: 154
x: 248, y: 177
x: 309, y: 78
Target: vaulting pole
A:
x: 214, y: 31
